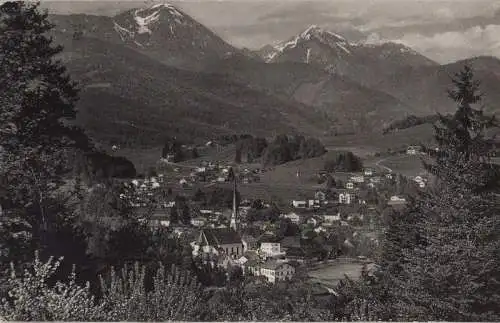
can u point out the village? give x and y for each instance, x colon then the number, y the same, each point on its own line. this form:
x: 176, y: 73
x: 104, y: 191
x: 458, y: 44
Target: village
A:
x: 203, y: 205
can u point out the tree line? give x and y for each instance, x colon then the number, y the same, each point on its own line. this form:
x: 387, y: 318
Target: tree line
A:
x: 282, y: 149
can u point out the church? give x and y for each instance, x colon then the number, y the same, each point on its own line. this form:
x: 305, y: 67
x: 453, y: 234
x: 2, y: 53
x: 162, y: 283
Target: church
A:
x: 226, y: 242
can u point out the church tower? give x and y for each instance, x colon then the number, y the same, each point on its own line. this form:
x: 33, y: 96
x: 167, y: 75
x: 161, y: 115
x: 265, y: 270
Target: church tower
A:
x: 234, y: 215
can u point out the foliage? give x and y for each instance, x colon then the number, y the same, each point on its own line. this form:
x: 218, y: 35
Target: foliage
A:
x: 98, y: 166
x: 440, y: 258
x: 175, y: 148
x: 410, y: 121
x: 255, y: 301
x: 271, y: 214
x: 288, y: 148
x: 222, y: 197
x: 32, y: 297
x: 343, y: 162
x: 250, y: 149
x: 39, y: 139
x: 173, y: 295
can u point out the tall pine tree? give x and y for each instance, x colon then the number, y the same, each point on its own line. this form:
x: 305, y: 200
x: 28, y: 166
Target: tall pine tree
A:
x: 441, y: 258
x: 37, y: 132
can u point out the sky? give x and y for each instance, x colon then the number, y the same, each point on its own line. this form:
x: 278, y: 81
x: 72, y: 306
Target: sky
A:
x: 443, y: 30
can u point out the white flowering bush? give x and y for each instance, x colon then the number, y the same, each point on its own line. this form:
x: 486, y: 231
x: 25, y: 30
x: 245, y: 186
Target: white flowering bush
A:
x: 173, y: 296
x: 30, y: 297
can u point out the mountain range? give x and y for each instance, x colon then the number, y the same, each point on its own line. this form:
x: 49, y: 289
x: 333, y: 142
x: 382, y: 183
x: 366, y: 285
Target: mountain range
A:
x: 152, y: 72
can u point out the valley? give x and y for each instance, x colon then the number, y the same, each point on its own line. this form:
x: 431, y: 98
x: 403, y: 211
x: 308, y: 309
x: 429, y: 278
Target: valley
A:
x: 184, y: 177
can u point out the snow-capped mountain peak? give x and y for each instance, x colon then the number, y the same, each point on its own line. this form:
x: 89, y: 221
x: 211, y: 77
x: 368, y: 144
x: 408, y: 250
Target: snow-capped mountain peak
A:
x: 162, y: 28
x: 144, y: 21
x: 145, y: 18
x: 316, y: 34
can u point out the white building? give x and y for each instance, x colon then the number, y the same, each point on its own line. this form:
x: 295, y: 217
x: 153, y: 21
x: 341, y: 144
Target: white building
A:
x: 271, y: 249
x: 368, y: 172
x: 313, y: 203
x: 358, y: 179
x: 294, y: 217
x: 275, y: 271
x: 412, y: 150
x: 319, y: 229
x: 331, y: 218
x: 346, y: 198
x: 349, y: 186
x: 396, y: 200
x: 198, y: 222
x: 299, y: 204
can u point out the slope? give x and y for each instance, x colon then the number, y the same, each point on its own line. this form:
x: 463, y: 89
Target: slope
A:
x: 160, y: 31
x: 132, y: 99
x: 349, y: 105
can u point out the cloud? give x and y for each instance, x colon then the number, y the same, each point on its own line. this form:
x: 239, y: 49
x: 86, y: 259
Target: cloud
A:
x: 452, y: 45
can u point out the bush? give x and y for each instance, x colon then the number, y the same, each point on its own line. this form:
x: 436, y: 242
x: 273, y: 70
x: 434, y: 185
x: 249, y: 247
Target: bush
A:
x: 126, y: 297
x: 31, y: 298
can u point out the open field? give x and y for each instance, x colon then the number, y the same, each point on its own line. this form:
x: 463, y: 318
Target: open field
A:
x: 370, y: 143
x: 142, y: 159
x: 330, y: 274
x: 407, y: 165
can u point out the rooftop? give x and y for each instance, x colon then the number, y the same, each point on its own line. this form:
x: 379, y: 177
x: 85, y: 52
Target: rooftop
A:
x: 219, y: 236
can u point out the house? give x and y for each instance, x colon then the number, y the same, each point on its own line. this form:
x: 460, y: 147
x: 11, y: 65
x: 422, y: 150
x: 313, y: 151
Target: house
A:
x: 275, y: 271
x: 313, y: 203
x: 249, y: 243
x: 331, y: 218
x: 201, y: 169
x: 368, y: 172
x: 375, y: 179
x: 299, y: 204
x: 421, y: 184
x: 159, y: 220
x: 349, y: 185
x: 358, y: 179
x: 418, y: 179
x: 294, y: 217
x: 396, y: 200
x: 319, y: 195
x: 319, y: 229
x: 198, y: 222
x: 252, y: 266
x: 169, y: 204
x: 412, y: 150
x: 206, y: 212
x: 220, y: 241
x: 271, y: 249
x: 183, y: 181
x: 389, y: 176
x: 346, y: 198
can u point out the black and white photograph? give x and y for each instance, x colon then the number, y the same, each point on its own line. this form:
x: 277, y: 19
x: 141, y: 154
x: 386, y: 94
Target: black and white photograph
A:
x: 250, y: 160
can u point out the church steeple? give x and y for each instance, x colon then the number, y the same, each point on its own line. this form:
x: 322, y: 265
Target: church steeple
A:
x: 234, y: 215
